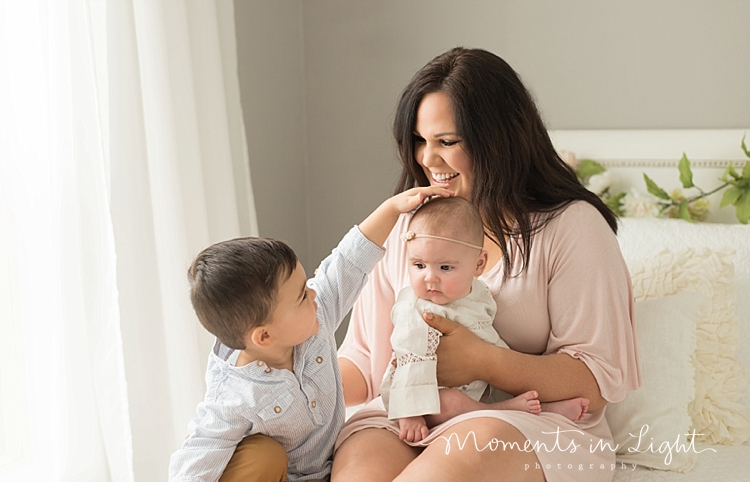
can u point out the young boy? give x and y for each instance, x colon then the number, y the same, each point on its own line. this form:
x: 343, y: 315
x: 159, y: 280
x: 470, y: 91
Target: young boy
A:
x: 445, y: 255
x: 273, y: 369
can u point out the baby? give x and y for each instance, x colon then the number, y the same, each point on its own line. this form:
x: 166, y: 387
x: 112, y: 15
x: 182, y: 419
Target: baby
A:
x: 445, y: 255
x: 273, y: 368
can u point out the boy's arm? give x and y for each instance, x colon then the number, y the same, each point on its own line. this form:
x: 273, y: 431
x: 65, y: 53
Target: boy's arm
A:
x: 214, y: 436
x: 378, y: 225
x: 341, y: 276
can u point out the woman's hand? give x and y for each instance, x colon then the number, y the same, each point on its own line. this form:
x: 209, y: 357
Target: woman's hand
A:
x: 459, y: 353
x: 463, y: 357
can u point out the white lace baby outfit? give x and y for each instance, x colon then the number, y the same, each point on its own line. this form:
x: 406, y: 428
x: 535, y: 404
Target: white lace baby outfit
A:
x: 409, y: 387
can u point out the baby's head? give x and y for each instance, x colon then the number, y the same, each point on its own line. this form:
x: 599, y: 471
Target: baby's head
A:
x: 243, y: 284
x: 444, y: 249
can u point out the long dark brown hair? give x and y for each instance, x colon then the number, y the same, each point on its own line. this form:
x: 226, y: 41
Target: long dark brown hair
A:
x: 520, y: 182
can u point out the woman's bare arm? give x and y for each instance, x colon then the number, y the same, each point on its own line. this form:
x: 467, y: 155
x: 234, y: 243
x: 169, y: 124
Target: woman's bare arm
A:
x: 463, y: 357
x: 355, y: 387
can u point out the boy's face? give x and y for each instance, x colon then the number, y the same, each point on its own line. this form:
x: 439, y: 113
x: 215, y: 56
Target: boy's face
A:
x: 294, y: 319
x: 442, y: 271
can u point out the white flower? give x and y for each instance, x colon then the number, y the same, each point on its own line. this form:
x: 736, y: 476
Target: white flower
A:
x: 699, y: 209
x: 637, y: 205
x: 598, y: 183
x: 569, y: 158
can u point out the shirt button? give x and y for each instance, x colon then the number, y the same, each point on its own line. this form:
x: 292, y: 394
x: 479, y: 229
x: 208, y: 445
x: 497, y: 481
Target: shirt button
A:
x: 260, y: 363
x: 319, y: 359
x: 277, y: 409
x: 314, y: 404
x: 267, y: 370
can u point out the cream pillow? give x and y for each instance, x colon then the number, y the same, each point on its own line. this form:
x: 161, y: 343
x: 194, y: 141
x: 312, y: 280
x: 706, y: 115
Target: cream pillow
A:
x: 657, y: 413
x: 719, y: 380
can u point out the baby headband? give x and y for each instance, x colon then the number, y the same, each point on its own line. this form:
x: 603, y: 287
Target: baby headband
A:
x: 409, y: 235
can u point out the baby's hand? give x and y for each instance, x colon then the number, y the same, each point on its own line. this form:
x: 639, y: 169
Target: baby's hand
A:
x: 412, y: 198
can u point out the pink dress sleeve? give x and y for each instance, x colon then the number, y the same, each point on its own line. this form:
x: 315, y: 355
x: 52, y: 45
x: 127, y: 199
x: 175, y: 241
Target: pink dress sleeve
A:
x: 590, y: 300
x: 368, y: 339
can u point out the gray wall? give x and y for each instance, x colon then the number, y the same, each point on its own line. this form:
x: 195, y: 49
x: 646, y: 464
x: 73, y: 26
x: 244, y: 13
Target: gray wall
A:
x: 270, y: 53
x: 320, y: 79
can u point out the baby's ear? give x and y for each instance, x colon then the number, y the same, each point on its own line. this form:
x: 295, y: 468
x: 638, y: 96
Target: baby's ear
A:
x: 259, y: 337
x: 481, y: 263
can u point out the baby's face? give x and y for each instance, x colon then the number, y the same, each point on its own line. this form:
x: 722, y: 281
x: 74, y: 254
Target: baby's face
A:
x: 442, y: 271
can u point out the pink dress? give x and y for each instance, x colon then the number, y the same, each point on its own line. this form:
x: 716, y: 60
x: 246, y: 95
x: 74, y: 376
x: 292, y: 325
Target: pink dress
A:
x: 575, y: 297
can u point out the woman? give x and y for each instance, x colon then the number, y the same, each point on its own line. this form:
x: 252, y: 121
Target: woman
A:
x: 467, y: 123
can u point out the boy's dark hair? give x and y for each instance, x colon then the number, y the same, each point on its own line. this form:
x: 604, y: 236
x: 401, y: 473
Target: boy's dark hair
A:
x: 233, y: 285
x: 454, y: 213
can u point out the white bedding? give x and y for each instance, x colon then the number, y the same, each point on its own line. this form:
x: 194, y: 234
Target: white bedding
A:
x: 727, y: 464
x: 625, y: 154
x: 645, y: 238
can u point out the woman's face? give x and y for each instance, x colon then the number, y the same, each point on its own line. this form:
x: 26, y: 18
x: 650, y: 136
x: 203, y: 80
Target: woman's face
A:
x: 438, y: 147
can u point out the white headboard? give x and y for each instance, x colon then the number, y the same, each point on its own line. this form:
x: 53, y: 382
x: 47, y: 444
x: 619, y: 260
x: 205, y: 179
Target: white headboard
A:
x: 627, y: 154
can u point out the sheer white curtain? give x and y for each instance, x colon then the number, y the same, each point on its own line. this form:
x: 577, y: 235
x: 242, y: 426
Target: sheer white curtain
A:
x: 121, y: 156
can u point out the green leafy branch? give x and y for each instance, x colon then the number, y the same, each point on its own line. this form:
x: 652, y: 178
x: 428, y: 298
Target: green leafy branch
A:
x: 678, y: 205
x: 737, y: 195
x: 588, y: 168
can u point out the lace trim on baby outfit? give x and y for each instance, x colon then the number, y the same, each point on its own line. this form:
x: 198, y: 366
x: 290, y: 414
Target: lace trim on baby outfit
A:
x: 480, y: 325
x: 433, y: 340
x: 412, y: 358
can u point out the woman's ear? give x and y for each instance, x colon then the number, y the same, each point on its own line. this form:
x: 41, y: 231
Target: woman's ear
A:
x: 260, y: 337
x: 481, y: 263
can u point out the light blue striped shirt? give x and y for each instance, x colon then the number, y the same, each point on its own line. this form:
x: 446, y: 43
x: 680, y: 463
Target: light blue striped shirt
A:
x: 303, y: 411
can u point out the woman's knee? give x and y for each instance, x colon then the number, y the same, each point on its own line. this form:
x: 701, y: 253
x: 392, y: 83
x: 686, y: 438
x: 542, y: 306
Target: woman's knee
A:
x: 484, y: 440
x: 257, y: 458
x: 372, y: 454
x: 477, y: 449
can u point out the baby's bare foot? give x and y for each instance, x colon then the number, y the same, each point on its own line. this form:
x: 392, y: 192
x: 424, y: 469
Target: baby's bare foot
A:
x: 573, y: 409
x: 525, y: 402
x: 412, y: 429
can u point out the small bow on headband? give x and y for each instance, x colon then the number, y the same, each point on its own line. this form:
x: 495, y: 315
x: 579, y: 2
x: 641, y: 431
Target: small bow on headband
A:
x: 409, y: 235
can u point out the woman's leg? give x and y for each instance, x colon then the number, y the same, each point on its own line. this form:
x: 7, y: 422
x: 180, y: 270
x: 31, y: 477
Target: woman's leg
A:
x: 372, y: 455
x: 257, y: 458
x: 468, y: 463
x: 454, y: 403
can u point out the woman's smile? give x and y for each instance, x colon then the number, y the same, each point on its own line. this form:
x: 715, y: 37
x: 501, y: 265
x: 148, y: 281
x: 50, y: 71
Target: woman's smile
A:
x: 443, y: 178
x: 439, y: 148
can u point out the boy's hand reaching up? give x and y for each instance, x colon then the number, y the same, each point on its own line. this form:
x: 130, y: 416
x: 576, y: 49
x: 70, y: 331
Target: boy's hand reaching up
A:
x: 379, y: 224
x: 411, y: 199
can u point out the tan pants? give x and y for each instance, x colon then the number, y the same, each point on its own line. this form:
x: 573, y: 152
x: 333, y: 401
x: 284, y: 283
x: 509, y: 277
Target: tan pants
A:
x: 257, y: 458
